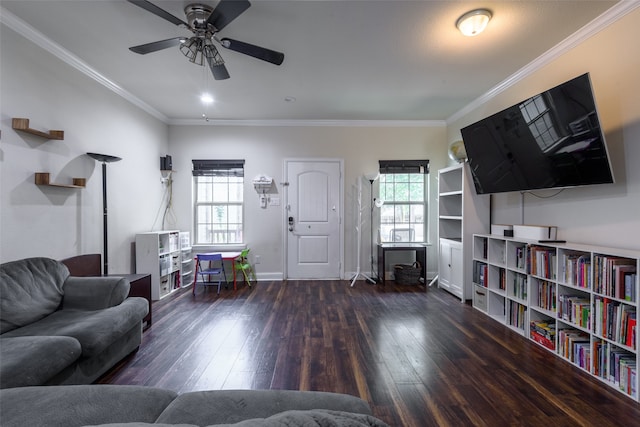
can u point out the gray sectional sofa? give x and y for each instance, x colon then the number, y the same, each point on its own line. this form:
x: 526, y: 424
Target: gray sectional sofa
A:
x: 58, y: 329
x: 132, y: 406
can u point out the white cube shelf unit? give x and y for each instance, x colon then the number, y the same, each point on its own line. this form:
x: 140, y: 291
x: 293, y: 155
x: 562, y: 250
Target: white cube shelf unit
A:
x: 159, y: 253
x: 578, y: 301
x: 186, y: 255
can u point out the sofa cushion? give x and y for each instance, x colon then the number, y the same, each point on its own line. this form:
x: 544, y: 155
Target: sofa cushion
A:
x: 79, y: 405
x: 30, y: 361
x: 231, y: 406
x: 95, y: 330
x: 31, y: 289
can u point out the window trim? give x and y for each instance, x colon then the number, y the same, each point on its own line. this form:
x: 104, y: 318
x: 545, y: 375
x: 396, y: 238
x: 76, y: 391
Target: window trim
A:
x: 393, y: 167
x: 216, y: 168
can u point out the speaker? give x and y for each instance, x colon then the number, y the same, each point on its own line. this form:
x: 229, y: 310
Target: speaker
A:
x: 165, y: 163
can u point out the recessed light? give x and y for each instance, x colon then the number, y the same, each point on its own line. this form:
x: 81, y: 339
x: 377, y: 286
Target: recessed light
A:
x: 206, y: 98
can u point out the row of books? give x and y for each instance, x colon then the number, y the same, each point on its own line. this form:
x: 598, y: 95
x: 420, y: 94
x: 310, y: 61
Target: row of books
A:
x: 616, y: 366
x: 521, y: 257
x: 577, y: 270
x: 517, y: 314
x: 543, y: 262
x: 575, y: 345
x: 480, y: 273
x: 519, y: 286
x: 544, y: 333
x: 615, y: 321
x: 575, y: 309
x: 547, y: 295
x: 502, y: 278
x: 615, y: 277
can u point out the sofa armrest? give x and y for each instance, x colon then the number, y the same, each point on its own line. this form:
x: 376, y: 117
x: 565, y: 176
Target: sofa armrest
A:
x: 94, y: 293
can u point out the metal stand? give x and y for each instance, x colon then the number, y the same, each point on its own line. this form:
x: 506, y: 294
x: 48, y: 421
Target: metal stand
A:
x: 359, y: 239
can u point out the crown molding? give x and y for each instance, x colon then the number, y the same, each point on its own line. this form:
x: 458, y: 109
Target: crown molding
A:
x: 19, y: 26
x: 310, y: 123
x: 610, y: 16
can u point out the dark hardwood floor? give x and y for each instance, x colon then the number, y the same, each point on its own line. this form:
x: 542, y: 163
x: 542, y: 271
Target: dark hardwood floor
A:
x: 419, y: 359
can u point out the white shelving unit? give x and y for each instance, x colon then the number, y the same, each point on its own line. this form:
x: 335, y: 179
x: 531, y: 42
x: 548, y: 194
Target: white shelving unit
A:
x: 577, y: 301
x: 188, y: 265
x: 461, y: 213
x: 159, y: 253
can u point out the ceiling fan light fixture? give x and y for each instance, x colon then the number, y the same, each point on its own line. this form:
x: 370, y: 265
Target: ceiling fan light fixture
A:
x: 210, y: 52
x: 190, y: 49
x: 473, y: 22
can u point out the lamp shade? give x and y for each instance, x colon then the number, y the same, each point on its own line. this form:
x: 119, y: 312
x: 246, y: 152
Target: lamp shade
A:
x: 474, y: 22
x: 103, y: 157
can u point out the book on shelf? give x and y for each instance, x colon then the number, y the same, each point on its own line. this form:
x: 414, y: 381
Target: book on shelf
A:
x: 630, y: 287
x: 480, y: 273
x: 547, y: 295
x: 543, y: 262
x: 544, y: 333
x: 575, y: 309
x: 568, y: 340
x: 521, y: 257
x: 607, y: 275
x: 577, y: 270
x: 615, y: 321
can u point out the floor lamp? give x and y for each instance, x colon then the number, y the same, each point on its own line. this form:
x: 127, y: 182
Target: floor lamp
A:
x: 104, y: 158
x: 372, y: 177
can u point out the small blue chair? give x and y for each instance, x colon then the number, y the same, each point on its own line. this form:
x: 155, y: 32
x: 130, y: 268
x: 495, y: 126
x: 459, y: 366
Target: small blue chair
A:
x: 215, y: 267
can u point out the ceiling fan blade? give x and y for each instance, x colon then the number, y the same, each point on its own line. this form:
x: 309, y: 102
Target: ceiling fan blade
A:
x: 219, y: 71
x: 155, y: 46
x: 226, y: 11
x: 150, y: 7
x: 252, y: 50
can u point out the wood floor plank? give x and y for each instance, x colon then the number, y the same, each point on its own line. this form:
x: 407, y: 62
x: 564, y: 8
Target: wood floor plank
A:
x: 419, y: 359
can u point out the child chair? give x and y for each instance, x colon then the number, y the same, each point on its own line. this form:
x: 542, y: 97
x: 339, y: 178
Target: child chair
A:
x: 242, y: 264
x: 215, y: 267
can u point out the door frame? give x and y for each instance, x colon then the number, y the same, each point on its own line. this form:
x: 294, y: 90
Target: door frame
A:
x: 285, y: 209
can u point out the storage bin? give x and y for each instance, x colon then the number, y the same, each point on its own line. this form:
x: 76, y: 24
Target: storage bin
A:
x: 480, y: 298
x: 407, y: 274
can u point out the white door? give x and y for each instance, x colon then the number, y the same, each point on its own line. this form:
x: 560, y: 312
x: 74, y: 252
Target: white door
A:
x: 314, y: 211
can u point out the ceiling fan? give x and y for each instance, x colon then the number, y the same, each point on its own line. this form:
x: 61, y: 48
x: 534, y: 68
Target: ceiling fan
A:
x: 205, y: 22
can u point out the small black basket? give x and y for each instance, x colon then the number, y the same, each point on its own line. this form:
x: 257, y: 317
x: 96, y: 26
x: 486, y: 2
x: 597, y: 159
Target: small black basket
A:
x: 407, y: 274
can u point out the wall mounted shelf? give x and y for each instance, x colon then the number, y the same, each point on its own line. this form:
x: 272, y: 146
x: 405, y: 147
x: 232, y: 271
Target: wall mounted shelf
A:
x: 22, y: 125
x: 42, y: 178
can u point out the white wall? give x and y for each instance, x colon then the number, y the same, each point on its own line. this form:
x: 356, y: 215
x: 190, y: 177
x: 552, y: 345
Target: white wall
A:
x: 265, y: 148
x: 608, y: 215
x: 58, y: 222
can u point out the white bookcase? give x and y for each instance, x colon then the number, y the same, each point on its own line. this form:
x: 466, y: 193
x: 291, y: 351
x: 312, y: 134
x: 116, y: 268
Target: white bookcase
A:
x: 461, y: 213
x: 577, y: 301
x: 159, y: 253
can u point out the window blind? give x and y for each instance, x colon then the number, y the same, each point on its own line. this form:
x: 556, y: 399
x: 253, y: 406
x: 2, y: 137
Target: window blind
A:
x: 404, y: 166
x: 218, y: 167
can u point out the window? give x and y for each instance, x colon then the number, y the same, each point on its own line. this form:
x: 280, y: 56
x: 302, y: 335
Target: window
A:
x: 218, y: 201
x: 403, y: 190
x: 538, y: 118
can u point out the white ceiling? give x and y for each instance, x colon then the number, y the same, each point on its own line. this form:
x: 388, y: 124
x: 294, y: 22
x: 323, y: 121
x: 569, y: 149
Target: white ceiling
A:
x: 344, y: 60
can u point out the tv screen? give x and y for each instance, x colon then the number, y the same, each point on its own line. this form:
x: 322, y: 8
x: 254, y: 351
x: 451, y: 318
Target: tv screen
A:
x: 550, y: 140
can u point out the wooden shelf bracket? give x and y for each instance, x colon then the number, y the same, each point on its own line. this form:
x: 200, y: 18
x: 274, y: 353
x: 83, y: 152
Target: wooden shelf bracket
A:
x: 22, y: 124
x: 42, y: 178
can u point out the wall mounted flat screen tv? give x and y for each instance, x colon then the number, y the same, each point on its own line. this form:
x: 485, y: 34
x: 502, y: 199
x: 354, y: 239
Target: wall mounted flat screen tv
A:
x: 550, y: 140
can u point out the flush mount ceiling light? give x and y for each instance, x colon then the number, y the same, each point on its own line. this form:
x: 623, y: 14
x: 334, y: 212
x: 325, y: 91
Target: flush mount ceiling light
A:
x: 474, y: 22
